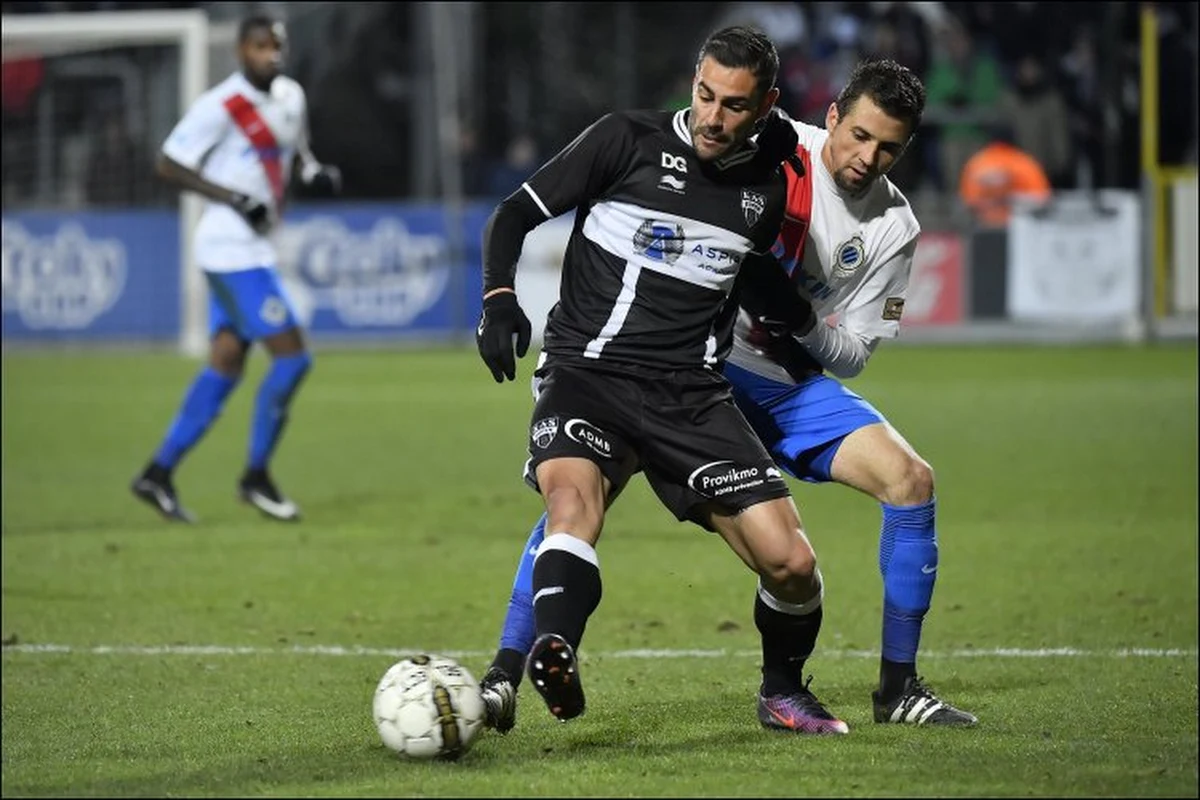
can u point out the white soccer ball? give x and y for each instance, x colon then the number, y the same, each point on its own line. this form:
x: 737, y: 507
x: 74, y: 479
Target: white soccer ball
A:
x: 428, y: 706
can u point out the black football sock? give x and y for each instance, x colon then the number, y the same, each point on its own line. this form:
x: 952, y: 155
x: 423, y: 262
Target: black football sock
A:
x: 511, y: 663
x: 566, y: 586
x: 789, y: 634
x: 892, y: 675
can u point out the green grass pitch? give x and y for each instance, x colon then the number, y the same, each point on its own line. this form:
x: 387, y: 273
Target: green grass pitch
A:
x: 238, y: 657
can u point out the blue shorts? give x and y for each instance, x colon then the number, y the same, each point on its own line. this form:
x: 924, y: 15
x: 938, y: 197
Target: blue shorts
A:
x: 802, y: 426
x: 249, y: 302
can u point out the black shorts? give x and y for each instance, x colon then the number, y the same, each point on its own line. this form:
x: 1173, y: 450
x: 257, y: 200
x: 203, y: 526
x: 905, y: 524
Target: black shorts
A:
x: 682, y: 429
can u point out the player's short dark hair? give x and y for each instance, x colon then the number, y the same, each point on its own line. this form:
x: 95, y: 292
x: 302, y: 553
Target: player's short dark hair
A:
x: 893, y: 87
x: 741, y: 47
x: 253, y: 23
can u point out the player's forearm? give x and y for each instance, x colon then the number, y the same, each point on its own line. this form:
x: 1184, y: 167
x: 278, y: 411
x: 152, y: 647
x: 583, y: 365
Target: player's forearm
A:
x: 842, y: 353
x: 504, y: 235
x: 178, y: 175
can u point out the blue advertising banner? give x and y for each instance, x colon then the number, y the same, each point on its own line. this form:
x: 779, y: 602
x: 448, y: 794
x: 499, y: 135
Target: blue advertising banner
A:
x: 90, y: 276
x: 382, y: 271
x: 352, y: 271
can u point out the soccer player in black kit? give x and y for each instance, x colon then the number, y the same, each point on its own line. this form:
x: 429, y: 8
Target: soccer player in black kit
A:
x: 672, y: 208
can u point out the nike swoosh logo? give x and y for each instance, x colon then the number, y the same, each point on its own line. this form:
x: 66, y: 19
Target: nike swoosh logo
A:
x: 789, y: 720
x: 928, y: 570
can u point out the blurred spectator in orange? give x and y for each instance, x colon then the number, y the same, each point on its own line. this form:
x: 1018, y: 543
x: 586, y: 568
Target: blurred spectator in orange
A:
x: 1037, y: 111
x: 963, y: 88
x: 996, y: 176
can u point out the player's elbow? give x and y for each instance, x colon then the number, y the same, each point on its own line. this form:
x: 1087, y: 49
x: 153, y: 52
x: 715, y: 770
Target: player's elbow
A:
x: 851, y: 368
x: 164, y: 167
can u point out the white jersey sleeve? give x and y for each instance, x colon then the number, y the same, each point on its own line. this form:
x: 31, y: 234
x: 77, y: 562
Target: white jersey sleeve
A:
x: 203, y: 127
x: 873, y: 312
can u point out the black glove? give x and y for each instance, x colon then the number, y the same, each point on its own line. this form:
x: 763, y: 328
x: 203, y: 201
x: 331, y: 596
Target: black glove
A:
x: 326, y: 181
x: 255, y: 212
x: 778, y: 140
x: 502, y: 319
x: 781, y: 346
x: 768, y: 295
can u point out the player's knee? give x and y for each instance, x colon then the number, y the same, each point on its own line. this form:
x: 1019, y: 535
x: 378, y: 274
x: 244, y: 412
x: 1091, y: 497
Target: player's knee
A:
x: 227, y: 356
x: 912, y: 484
x: 304, y: 362
x: 793, y: 573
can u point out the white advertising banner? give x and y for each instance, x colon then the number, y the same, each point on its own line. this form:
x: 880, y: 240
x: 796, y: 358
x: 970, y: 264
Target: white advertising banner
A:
x: 1078, y: 259
x: 540, y: 268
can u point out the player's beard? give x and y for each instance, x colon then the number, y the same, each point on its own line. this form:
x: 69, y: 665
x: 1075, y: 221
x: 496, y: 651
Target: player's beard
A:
x: 848, y: 181
x: 713, y: 149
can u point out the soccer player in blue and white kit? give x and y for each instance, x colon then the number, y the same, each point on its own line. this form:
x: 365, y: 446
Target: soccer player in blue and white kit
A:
x: 237, y: 146
x: 847, y: 243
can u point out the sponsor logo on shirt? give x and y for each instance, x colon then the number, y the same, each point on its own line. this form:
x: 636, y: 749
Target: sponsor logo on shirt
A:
x: 672, y: 184
x: 659, y: 240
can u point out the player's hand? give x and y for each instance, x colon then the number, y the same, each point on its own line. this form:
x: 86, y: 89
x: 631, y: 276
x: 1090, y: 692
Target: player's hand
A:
x: 768, y: 295
x: 323, y: 181
x: 502, y: 319
x: 255, y: 212
x: 779, y: 343
x: 778, y: 140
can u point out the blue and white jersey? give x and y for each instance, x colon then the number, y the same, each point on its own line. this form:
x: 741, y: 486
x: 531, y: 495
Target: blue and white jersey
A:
x: 849, y: 257
x: 243, y: 139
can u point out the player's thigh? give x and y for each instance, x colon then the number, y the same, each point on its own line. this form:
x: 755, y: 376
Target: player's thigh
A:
x: 879, y: 461
x: 254, y: 305
x: 802, y: 425
x: 768, y: 537
x: 581, y: 416
x: 700, y: 454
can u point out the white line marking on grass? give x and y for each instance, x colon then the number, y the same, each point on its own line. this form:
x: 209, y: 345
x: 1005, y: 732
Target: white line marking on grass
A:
x: 338, y: 650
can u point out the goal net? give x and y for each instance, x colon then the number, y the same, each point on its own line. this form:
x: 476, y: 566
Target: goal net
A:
x: 95, y: 248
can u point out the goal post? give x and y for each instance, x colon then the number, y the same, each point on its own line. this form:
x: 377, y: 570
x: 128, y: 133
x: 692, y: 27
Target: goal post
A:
x: 188, y: 29
x: 1170, y: 206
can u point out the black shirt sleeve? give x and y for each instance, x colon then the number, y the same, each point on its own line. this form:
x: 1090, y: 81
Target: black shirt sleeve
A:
x: 580, y: 172
x: 585, y: 168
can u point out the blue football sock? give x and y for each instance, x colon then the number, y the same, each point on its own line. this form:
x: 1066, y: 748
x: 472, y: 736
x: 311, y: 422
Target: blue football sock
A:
x: 271, y: 405
x: 520, y: 628
x: 201, y: 405
x: 908, y: 560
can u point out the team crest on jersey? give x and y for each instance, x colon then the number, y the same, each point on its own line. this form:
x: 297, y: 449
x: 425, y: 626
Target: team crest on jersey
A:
x: 659, y: 240
x: 753, y: 204
x: 849, y: 256
x: 544, y: 431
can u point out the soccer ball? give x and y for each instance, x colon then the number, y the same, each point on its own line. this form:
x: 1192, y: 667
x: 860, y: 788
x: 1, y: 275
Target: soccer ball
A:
x: 428, y: 706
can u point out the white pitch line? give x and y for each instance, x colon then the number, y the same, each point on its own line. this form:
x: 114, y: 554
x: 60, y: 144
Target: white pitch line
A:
x: 338, y: 650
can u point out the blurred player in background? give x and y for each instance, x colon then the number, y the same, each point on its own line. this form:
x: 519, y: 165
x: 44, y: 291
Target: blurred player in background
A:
x: 847, y: 243
x: 237, y: 146
x: 673, y: 211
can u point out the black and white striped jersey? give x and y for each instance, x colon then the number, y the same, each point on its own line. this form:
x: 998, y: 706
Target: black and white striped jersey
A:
x: 658, y: 239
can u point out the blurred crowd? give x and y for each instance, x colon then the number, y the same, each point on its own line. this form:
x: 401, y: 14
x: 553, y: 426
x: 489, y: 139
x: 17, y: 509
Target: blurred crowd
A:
x: 1048, y: 90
